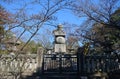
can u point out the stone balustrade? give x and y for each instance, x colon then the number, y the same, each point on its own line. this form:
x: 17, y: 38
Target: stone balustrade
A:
x: 18, y: 64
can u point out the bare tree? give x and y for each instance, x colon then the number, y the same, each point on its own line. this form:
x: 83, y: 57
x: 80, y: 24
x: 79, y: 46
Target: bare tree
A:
x: 31, y: 23
x: 45, y: 39
x: 96, y: 10
x: 71, y: 40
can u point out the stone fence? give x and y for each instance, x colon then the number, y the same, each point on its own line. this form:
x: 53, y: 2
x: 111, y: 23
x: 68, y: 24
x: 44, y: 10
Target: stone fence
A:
x: 20, y: 64
x: 26, y: 64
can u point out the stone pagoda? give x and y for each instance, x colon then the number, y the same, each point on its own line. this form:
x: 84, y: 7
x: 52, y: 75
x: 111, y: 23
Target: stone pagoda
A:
x: 59, y: 43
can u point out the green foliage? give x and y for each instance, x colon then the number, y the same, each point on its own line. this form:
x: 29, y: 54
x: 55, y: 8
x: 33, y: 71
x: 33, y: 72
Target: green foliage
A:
x: 32, y: 47
x: 116, y: 21
x: 116, y: 15
x: 3, y: 52
x: 106, y: 38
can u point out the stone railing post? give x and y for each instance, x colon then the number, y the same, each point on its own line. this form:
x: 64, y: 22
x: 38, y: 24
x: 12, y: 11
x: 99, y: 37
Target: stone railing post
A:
x: 80, y: 61
x: 39, y: 58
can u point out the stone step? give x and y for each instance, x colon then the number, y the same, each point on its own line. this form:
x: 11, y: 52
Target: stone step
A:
x: 60, y: 77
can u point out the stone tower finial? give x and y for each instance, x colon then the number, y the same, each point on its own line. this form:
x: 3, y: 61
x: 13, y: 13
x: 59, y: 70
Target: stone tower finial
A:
x: 60, y: 26
x: 59, y: 31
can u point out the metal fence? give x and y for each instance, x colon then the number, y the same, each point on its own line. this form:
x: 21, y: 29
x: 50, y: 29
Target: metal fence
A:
x: 59, y: 63
x: 71, y: 63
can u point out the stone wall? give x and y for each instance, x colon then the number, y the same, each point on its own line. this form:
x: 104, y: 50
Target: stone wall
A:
x: 18, y: 64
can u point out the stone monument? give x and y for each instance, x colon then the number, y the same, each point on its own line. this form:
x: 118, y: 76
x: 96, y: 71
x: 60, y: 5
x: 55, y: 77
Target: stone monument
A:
x: 59, y: 43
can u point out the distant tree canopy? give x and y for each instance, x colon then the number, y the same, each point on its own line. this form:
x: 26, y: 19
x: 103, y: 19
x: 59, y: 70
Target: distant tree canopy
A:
x: 116, y: 18
x: 3, y: 17
x: 3, y: 20
x: 104, y: 37
x: 7, y: 35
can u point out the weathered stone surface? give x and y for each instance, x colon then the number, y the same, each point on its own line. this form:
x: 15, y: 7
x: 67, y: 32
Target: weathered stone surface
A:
x: 60, y: 40
x: 59, y: 31
x: 60, y: 48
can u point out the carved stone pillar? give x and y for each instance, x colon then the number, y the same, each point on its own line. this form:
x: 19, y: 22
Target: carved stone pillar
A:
x: 39, y: 58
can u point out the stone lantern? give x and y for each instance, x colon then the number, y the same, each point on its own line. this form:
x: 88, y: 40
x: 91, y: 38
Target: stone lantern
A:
x: 13, y: 43
x: 59, y: 43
